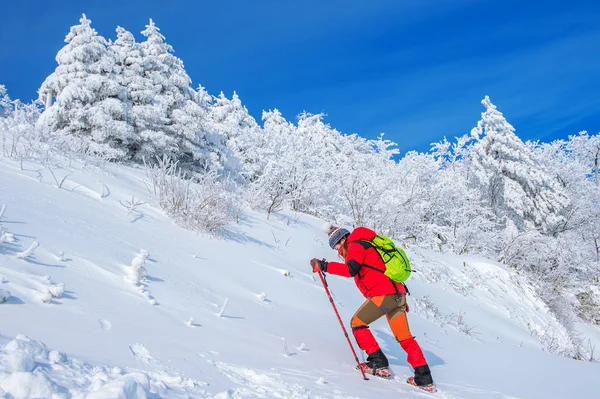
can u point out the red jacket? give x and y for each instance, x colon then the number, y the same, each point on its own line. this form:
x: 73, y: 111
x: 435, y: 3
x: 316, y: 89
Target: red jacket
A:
x: 370, y: 282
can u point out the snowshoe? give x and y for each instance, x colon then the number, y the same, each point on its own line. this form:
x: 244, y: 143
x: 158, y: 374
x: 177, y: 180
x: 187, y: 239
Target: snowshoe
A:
x: 383, y: 372
x: 427, y: 388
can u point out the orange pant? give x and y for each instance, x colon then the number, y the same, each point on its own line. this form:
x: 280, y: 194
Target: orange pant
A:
x: 394, y: 308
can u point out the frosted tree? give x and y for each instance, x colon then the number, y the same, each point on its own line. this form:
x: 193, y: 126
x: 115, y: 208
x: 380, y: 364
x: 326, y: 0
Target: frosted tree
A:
x: 155, y: 103
x: 513, y: 183
x: 172, y: 116
x: 5, y: 103
x: 574, y: 164
x: 455, y: 216
x: 222, y: 158
x: 140, y: 89
x: 240, y: 132
x: 354, y: 188
x: 19, y: 120
x: 451, y: 154
x: 317, y: 159
x: 300, y: 164
x: 269, y: 190
x: 91, y: 106
x: 202, y: 98
x: 586, y: 148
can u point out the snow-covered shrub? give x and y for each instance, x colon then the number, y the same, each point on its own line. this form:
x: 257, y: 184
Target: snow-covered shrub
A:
x: 555, y: 343
x: 19, y: 138
x: 28, y: 251
x: 137, y: 272
x: 7, y: 237
x: 202, y: 202
x: 144, y: 254
x: 59, y: 256
x: 56, y: 290
x: 425, y: 307
x: 132, y: 205
x: 223, y: 308
x: 51, y: 290
x: 589, y: 305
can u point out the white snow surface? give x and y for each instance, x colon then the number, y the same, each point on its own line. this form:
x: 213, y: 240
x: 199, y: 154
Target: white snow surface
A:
x: 112, y: 304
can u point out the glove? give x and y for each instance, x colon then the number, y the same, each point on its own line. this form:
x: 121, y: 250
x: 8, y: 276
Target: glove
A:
x: 318, y: 265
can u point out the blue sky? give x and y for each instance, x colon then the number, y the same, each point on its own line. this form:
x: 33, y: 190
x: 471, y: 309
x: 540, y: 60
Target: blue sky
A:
x: 413, y: 69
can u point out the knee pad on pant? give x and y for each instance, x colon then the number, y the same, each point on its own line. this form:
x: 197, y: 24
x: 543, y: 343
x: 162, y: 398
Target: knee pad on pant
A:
x: 357, y: 323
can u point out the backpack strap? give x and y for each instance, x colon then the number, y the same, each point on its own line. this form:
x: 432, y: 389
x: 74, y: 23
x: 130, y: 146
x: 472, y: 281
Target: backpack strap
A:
x: 366, y: 244
x: 406, y: 288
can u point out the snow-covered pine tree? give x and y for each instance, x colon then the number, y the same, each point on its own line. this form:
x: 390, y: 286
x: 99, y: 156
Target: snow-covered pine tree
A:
x: 5, y: 103
x: 213, y: 144
x: 212, y: 141
x: 241, y: 133
x: 140, y: 89
x: 173, y: 124
x: 156, y: 100
x: 514, y: 184
x: 91, y: 106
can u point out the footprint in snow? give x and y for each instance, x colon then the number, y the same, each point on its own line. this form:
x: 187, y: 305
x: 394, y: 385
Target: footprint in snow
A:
x: 140, y: 352
x: 105, y: 324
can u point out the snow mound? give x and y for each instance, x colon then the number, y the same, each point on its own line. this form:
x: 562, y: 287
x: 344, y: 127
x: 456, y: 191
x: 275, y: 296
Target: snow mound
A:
x: 29, y: 370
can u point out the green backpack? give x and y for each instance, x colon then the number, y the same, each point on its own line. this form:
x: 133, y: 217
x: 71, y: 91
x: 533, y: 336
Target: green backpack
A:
x: 397, y: 266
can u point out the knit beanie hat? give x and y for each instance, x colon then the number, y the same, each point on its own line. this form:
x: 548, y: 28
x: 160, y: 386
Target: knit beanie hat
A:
x: 335, y: 233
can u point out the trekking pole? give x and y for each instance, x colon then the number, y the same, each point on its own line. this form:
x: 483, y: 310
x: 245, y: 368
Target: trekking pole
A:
x: 322, y: 276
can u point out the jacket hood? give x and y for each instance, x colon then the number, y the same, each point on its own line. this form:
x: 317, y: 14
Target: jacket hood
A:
x: 361, y: 233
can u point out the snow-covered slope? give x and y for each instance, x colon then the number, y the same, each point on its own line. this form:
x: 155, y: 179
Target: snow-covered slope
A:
x: 241, y: 316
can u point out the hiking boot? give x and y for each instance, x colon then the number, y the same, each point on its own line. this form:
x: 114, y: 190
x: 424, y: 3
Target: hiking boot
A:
x: 377, y: 360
